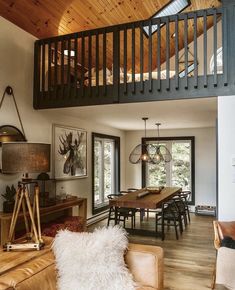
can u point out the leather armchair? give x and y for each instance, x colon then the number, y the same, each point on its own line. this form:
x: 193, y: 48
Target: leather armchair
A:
x: 225, y: 266
x: 36, y: 269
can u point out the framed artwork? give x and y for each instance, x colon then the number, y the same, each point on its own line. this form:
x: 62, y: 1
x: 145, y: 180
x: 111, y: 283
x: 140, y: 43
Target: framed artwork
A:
x: 69, y: 152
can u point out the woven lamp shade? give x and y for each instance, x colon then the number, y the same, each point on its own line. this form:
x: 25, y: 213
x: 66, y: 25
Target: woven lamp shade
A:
x: 22, y: 157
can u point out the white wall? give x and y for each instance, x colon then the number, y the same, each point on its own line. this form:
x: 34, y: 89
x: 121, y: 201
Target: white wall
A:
x: 205, y: 160
x: 16, y: 70
x: 226, y: 151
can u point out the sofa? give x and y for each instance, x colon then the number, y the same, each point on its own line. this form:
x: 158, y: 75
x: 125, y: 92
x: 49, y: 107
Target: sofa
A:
x: 225, y: 266
x: 36, y: 269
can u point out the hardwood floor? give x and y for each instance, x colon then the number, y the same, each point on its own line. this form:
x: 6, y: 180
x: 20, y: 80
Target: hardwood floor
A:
x: 189, y: 262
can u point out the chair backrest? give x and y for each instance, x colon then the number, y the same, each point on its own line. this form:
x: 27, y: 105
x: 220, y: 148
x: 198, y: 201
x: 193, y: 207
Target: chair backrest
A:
x: 180, y: 203
x: 170, y: 208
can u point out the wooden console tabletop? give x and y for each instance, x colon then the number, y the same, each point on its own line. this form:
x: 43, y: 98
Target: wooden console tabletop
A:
x: 65, y: 206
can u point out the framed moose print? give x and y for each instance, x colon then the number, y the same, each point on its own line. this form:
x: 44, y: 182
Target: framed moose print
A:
x: 69, y: 152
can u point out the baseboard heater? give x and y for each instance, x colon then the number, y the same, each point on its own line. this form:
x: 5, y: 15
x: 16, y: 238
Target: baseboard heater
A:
x: 205, y: 210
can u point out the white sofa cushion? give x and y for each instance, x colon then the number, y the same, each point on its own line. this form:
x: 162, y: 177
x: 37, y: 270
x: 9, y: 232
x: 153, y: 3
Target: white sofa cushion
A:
x: 225, y: 267
x: 92, y: 261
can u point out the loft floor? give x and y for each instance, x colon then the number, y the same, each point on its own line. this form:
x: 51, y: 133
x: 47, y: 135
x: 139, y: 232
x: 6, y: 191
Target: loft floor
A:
x: 189, y: 262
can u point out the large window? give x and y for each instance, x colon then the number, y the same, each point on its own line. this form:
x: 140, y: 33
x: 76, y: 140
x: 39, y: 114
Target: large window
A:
x: 105, y: 169
x: 179, y: 171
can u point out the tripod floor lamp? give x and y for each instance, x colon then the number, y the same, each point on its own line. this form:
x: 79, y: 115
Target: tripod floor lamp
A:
x: 23, y: 157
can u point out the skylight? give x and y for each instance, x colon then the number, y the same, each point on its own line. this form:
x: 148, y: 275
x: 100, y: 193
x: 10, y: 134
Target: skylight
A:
x: 173, y: 7
x: 191, y: 68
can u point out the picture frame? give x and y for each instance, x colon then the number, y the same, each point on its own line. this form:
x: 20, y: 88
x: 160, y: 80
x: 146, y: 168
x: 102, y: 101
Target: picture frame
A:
x: 69, y: 156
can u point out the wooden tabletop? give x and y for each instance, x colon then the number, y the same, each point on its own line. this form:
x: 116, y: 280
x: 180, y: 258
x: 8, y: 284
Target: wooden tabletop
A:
x: 150, y: 201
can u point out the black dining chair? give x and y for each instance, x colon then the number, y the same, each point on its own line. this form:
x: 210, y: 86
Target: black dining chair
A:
x: 123, y: 213
x: 169, y: 216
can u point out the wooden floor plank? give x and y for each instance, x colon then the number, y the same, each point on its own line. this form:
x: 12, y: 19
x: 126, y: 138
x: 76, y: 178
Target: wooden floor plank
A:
x: 189, y: 262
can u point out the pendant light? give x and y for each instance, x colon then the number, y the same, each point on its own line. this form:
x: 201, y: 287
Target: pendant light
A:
x: 162, y: 154
x: 142, y: 152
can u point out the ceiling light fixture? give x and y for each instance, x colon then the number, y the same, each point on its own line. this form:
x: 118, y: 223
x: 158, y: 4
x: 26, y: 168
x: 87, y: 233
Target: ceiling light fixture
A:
x: 142, y: 152
x: 162, y: 153
x: 173, y: 7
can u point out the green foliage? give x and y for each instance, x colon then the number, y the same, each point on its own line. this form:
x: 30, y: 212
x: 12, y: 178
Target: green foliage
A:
x: 10, y: 193
x: 175, y: 173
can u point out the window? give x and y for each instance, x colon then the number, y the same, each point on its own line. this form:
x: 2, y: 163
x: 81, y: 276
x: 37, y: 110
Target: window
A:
x: 179, y: 171
x: 171, y: 8
x: 105, y: 169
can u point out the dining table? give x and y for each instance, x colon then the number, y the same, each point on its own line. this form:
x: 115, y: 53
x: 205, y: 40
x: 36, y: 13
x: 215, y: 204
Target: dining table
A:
x: 148, y: 198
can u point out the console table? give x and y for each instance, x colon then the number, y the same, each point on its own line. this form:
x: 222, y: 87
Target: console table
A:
x: 61, y: 208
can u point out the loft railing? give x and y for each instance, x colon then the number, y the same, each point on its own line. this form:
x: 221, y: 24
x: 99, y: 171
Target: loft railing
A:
x: 162, y: 58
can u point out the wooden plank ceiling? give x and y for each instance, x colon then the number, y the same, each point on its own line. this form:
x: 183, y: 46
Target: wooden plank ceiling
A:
x: 46, y: 18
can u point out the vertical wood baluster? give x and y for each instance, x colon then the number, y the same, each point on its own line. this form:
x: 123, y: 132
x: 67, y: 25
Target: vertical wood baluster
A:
x: 125, y: 59
x: 55, y: 83
x: 167, y: 54
x: 69, y: 68
x: 49, y: 69
x: 104, y: 62
x: 215, y: 46
x: 195, y: 52
x: 186, y: 49
x: 82, y: 64
x: 89, y: 63
x: 176, y: 52
x: 159, y: 54
x: 225, y: 45
x: 37, y: 86
x: 62, y: 68
x: 150, y: 56
x: 116, y: 63
x: 43, y: 68
x: 141, y: 59
x: 97, y: 63
x: 205, y: 46
x: 76, y: 81
x: 133, y: 59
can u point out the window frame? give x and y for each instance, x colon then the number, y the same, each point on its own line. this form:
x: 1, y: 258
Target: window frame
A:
x: 190, y: 138
x: 116, y: 140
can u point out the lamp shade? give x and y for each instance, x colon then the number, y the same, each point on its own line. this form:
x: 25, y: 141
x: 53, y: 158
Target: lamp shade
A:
x: 22, y: 157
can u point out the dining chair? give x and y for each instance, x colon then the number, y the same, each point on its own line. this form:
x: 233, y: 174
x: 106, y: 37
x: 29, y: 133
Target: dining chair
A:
x: 169, y: 216
x: 123, y: 213
x: 180, y: 203
x: 185, y: 195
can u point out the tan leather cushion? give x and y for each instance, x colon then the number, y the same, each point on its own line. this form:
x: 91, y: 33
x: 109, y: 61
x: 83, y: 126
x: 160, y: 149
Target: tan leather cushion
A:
x: 226, y: 229
x: 39, y: 271
x: 146, y: 265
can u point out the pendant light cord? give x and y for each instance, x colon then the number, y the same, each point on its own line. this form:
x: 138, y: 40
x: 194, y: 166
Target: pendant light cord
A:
x: 10, y: 92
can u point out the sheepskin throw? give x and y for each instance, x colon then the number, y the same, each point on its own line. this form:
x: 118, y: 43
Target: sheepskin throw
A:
x: 92, y: 261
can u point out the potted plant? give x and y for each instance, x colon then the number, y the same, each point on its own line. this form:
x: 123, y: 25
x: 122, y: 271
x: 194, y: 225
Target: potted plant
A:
x: 8, y: 204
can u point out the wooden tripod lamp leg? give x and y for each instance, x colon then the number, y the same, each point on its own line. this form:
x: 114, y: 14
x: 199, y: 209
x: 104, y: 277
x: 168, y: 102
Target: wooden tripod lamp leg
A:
x: 26, y: 194
x: 15, y: 216
x: 36, y: 190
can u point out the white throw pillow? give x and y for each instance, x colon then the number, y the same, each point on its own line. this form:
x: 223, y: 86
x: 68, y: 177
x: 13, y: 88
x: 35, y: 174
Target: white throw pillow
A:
x: 92, y: 261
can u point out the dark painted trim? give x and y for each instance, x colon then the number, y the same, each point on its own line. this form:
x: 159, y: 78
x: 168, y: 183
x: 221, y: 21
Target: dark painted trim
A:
x: 192, y: 139
x: 117, y: 167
